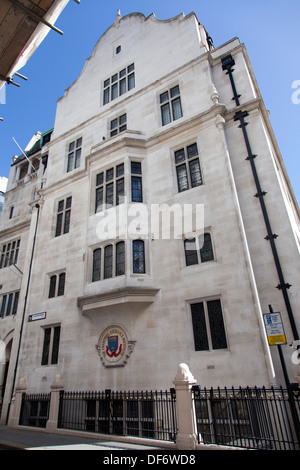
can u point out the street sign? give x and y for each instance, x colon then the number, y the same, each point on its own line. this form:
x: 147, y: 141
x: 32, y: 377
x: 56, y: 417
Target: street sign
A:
x: 274, y: 329
x: 37, y: 316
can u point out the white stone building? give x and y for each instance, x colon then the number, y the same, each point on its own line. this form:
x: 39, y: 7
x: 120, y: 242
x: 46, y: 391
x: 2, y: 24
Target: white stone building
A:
x: 106, y: 298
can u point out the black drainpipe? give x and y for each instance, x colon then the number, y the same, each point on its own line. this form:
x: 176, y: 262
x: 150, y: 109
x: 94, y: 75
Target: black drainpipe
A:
x: 227, y: 64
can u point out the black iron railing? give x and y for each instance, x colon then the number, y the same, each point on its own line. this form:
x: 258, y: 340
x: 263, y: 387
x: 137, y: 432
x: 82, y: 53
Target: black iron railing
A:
x: 255, y: 418
x: 35, y: 410
x: 142, y: 414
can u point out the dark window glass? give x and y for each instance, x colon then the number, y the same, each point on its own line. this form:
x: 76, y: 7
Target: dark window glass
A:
x: 206, y: 251
x: 216, y: 323
x: 55, y: 345
x: 96, y: 265
x: 46, y: 346
x: 199, y: 327
x: 138, y: 256
x: 61, y: 284
x: 52, y: 287
x: 120, y: 258
x: 108, y: 261
x: 191, y: 256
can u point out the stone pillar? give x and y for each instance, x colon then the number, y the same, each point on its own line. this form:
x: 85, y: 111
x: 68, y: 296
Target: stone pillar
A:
x: 186, y: 418
x: 16, y: 403
x: 56, y: 387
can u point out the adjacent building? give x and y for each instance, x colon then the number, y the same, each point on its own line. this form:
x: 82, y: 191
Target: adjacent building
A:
x: 153, y: 225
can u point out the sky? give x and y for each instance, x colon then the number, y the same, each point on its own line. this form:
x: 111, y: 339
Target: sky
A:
x: 270, y: 30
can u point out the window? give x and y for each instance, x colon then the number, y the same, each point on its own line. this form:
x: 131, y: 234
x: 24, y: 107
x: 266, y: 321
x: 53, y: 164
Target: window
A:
x: 118, y: 84
x: 109, y: 188
x: 138, y: 254
x: 11, y: 212
x: 198, y: 250
x: 118, y: 125
x: 170, y: 105
x: 57, y: 285
x: 74, y: 154
x: 108, y: 261
x: 188, y: 168
x: 9, y: 304
x: 9, y: 253
x: 136, y: 182
x: 63, y: 216
x: 208, y: 325
x: 50, y: 345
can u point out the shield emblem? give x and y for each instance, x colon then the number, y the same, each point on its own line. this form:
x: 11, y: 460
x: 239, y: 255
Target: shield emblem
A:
x: 112, y: 342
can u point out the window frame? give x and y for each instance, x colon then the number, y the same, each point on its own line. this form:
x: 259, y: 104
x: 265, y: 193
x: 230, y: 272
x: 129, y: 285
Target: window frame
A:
x: 10, y: 253
x: 184, y: 159
x: 167, y: 100
x: 118, y: 84
x: 206, y: 334
x: 63, y: 216
x: 198, y: 254
x: 57, y: 284
x: 109, y: 187
x: 51, y: 344
x: 9, y: 303
x: 108, y: 265
x: 74, y: 153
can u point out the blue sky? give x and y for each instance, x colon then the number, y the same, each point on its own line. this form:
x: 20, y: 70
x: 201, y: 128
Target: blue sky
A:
x: 268, y: 28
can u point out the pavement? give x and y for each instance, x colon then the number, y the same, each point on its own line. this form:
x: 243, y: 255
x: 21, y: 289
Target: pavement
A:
x: 27, y: 439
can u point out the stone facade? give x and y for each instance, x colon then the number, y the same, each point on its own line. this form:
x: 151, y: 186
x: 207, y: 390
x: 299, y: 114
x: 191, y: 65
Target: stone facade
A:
x: 152, y: 112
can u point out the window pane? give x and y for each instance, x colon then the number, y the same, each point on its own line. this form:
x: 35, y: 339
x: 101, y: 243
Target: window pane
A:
x: 136, y: 168
x: 179, y: 156
x: 16, y: 300
x: 110, y: 194
x: 206, y: 251
x: 120, y: 258
x: 68, y: 202
x: 191, y: 256
x: 195, y: 173
x: 46, y: 346
x: 182, y: 178
x: 165, y: 114
x: 9, y: 304
x: 4, y: 300
x: 174, y: 91
x: 67, y: 221
x: 109, y: 174
x: 138, y: 257
x: 122, y: 86
x: 61, y: 284
x: 99, y: 200
x: 131, y: 81
x: 217, y: 329
x: 52, y: 287
x: 136, y: 189
x: 55, y: 346
x: 120, y: 170
x: 108, y: 261
x: 70, y: 161
x: 99, y: 179
x: 96, y: 265
x: 164, y: 97
x: 120, y: 191
x: 77, y: 158
x: 199, y: 327
x: 114, y: 91
x: 176, y: 109
x: 192, y: 150
x: 106, y: 96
